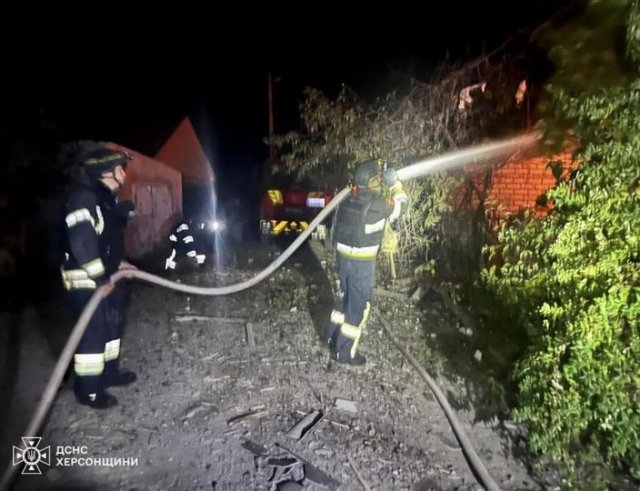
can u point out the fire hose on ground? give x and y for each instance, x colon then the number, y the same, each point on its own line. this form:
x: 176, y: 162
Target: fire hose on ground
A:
x: 419, y: 169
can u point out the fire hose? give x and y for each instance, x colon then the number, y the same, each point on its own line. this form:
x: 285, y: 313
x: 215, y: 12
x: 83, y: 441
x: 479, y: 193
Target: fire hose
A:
x: 418, y: 169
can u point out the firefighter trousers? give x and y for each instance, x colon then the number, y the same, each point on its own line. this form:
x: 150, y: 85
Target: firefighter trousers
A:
x: 353, y: 303
x: 98, y: 352
x: 180, y: 257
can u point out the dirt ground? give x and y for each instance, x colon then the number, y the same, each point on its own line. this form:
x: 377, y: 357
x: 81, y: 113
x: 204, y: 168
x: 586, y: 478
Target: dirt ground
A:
x: 215, y: 400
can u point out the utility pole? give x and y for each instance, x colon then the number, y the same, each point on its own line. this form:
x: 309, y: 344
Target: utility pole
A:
x: 272, y: 151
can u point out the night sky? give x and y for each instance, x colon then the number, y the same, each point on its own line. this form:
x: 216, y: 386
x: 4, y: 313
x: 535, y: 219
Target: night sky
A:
x: 136, y: 81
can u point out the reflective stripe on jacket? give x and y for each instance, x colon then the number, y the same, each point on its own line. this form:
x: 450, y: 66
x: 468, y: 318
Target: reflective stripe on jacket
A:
x: 91, y: 226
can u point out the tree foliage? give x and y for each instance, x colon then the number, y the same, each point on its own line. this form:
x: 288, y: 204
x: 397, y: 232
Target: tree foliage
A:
x: 573, y: 279
x: 402, y: 127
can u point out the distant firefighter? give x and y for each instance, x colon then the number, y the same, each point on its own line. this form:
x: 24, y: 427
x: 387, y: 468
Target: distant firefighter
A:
x: 187, y: 247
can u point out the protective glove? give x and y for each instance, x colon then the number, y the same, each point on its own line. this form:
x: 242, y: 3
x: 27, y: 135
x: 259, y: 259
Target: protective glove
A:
x: 390, y: 177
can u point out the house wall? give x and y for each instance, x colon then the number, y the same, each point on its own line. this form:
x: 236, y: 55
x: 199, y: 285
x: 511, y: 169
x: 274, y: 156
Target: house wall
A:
x: 156, y: 190
x: 516, y: 185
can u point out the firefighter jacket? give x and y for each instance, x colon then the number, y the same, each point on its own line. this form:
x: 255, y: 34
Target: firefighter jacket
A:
x: 361, y: 219
x: 182, y: 238
x: 94, y: 245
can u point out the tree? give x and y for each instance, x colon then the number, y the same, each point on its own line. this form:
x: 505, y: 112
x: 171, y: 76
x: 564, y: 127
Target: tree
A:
x: 402, y: 127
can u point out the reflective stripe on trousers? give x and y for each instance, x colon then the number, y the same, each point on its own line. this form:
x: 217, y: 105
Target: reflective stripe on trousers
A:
x: 88, y: 364
x: 354, y: 332
x: 112, y: 349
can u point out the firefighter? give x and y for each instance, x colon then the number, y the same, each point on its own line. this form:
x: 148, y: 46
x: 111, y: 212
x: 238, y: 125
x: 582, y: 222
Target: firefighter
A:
x: 360, y: 222
x: 186, y: 244
x: 94, y: 251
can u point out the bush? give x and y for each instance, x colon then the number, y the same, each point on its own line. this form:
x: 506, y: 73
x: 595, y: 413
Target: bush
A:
x: 574, y: 281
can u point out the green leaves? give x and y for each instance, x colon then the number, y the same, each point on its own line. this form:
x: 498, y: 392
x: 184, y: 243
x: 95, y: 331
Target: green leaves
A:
x: 573, y: 278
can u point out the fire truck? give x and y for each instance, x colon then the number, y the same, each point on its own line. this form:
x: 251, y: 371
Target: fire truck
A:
x: 290, y: 210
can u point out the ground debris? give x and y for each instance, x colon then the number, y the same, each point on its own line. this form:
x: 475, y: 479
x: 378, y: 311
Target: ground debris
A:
x: 252, y: 415
x: 284, y: 469
x: 207, y: 318
x: 313, y: 475
x: 304, y: 425
x: 196, y: 409
x: 346, y: 405
x: 254, y: 448
x: 358, y: 475
x: 280, y: 468
x: 249, y: 336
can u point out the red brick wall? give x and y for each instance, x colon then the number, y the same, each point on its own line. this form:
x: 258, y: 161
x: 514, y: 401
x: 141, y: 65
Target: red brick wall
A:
x: 516, y: 185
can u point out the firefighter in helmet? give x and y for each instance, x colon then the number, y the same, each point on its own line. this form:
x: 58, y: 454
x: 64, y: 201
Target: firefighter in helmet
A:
x: 377, y: 198
x: 94, y: 222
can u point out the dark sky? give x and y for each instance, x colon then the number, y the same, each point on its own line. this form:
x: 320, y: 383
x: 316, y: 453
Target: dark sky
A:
x: 131, y: 81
